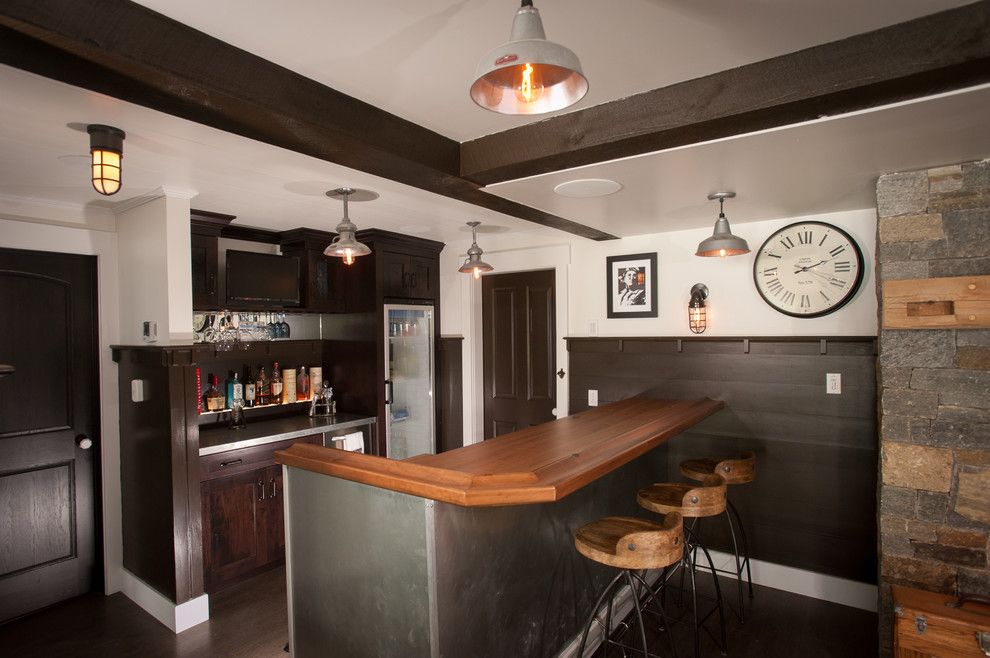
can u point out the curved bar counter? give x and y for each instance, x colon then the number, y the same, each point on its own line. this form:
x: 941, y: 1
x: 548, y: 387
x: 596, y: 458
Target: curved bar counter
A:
x: 470, y: 552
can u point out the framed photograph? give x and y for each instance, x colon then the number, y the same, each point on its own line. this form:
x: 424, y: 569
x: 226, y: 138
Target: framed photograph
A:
x: 632, y: 285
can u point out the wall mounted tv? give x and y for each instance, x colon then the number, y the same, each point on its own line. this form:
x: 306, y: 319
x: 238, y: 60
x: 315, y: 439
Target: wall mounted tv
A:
x: 262, y: 279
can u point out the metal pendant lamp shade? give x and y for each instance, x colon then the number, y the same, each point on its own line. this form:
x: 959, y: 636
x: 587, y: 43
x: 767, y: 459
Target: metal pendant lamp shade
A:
x: 723, y: 242
x: 528, y: 74
x: 474, y: 265
x: 346, y: 245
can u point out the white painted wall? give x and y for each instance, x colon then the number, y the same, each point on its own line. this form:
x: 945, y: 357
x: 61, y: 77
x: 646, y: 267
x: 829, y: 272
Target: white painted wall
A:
x: 735, y: 308
x: 86, y: 231
x: 156, y: 281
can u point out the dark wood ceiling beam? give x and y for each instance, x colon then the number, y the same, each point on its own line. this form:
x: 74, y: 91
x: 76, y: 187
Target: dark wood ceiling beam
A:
x: 933, y: 54
x: 127, y: 51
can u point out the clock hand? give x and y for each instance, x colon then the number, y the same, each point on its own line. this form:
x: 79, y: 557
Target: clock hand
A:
x: 809, y: 267
x: 825, y: 276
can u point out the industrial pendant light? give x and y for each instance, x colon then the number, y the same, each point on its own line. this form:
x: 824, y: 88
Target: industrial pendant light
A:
x: 106, y: 148
x: 345, y: 245
x: 722, y: 243
x: 528, y: 74
x: 474, y: 265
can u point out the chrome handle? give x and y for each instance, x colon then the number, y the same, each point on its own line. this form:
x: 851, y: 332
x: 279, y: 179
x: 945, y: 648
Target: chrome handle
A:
x: 230, y: 463
x: 274, y: 492
x: 84, y: 442
x: 388, y: 396
x: 261, y: 486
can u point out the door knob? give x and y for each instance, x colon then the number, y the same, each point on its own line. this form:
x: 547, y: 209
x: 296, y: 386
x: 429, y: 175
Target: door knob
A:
x: 84, y: 442
x: 561, y: 373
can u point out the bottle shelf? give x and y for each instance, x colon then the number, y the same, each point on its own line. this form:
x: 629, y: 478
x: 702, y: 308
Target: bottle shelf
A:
x: 249, y: 410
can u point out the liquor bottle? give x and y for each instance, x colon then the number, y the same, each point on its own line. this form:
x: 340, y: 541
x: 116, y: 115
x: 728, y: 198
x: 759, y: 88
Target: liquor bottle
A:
x: 213, y: 399
x: 276, y: 397
x: 288, y: 385
x: 262, y: 389
x: 249, y: 387
x: 235, y: 389
x: 302, y: 385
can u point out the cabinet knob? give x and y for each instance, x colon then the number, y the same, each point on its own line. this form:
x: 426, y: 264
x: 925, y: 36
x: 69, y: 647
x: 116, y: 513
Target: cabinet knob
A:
x: 84, y: 442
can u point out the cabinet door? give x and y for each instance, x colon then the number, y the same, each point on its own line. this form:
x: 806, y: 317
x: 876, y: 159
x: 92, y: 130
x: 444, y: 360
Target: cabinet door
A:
x: 420, y: 277
x: 396, y: 273
x: 231, y: 510
x: 204, y: 272
x: 272, y: 527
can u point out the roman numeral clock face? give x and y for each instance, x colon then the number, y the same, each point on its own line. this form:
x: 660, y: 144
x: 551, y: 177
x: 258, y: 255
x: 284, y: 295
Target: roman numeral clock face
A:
x: 808, y: 269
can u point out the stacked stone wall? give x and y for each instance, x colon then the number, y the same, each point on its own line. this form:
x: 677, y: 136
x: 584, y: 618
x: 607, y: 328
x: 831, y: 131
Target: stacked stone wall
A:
x: 934, y: 512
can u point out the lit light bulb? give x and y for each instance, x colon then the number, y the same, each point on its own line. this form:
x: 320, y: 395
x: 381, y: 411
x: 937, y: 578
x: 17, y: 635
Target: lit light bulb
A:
x: 477, y: 272
x: 348, y: 256
x: 106, y: 171
x: 721, y: 253
x: 530, y: 86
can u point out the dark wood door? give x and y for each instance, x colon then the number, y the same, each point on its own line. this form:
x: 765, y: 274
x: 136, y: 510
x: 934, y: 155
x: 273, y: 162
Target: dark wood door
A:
x: 232, y: 520
x: 272, y: 527
x: 519, y: 355
x: 49, y: 530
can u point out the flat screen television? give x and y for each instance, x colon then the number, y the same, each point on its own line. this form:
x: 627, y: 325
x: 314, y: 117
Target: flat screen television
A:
x: 258, y: 279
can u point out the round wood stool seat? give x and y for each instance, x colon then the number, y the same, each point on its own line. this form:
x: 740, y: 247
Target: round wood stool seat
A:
x: 629, y: 543
x: 734, y: 471
x: 688, y: 500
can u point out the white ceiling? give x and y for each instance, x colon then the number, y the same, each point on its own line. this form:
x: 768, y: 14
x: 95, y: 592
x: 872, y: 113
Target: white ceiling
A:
x: 416, y: 59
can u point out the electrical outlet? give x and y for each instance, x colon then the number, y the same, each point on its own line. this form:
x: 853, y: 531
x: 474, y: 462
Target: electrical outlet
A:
x: 592, y: 397
x: 833, y: 383
x: 137, y: 390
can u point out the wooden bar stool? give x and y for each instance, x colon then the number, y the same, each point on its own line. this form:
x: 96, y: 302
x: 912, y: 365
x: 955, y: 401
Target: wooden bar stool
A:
x: 692, y: 502
x: 628, y: 544
x: 733, y: 471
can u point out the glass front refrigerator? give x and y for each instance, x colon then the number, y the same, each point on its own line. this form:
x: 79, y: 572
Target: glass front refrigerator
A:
x: 409, y: 408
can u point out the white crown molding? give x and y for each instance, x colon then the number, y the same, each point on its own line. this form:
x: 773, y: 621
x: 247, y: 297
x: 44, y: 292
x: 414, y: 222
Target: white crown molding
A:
x: 163, y: 191
x: 72, y: 214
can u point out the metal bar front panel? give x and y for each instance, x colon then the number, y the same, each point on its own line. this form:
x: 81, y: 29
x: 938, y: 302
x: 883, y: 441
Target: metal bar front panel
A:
x: 359, y: 569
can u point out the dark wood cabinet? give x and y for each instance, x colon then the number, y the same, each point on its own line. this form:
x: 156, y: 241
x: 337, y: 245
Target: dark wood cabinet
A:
x: 204, y: 272
x: 321, y: 277
x: 409, y: 277
x: 400, y: 270
x: 243, y: 523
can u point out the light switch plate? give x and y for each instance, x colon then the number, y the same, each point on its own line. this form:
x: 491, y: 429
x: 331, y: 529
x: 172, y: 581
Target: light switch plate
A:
x: 592, y: 397
x: 592, y: 328
x: 833, y: 383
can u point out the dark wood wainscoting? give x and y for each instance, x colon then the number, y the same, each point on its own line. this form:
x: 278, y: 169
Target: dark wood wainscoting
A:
x: 450, y: 381
x: 813, y: 504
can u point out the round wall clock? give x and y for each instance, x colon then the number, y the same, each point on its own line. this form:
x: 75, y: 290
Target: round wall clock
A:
x: 808, y: 269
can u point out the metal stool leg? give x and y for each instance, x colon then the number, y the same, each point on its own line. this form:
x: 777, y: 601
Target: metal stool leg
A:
x: 745, y: 543
x: 666, y: 626
x: 594, y: 613
x: 724, y: 648
x: 639, y: 611
x: 735, y: 553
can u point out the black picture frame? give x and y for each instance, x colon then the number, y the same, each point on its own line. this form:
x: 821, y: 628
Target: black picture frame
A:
x: 631, y: 299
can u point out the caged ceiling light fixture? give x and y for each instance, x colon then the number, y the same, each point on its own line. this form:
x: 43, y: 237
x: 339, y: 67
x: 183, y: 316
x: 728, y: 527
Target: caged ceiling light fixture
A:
x: 474, y: 265
x: 106, y: 148
x: 346, y: 245
x: 528, y: 74
x: 722, y: 243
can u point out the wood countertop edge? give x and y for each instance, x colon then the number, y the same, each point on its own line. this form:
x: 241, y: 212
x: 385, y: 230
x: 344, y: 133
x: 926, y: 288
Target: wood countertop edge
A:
x: 544, y: 485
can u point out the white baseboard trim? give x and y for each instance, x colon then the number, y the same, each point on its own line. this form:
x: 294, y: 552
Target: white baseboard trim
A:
x: 176, y: 617
x: 800, y: 581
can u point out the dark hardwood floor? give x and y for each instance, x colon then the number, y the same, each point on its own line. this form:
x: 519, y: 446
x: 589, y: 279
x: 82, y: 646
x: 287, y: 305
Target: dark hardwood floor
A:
x: 246, y: 620
x: 778, y: 625
x: 249, y: 620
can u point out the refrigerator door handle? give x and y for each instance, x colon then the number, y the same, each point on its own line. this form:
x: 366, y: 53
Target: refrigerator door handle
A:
x: 388, y: 393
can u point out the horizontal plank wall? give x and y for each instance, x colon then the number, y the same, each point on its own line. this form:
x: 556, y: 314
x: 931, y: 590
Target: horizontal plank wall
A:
x: 813, y: 504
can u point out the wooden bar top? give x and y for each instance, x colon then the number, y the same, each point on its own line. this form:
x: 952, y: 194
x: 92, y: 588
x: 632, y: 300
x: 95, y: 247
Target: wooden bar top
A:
x: 538, y: 464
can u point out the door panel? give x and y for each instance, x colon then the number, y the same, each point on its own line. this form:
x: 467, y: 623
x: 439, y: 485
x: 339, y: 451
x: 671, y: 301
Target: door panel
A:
x: 48, y: 528
x: 519, y: 336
